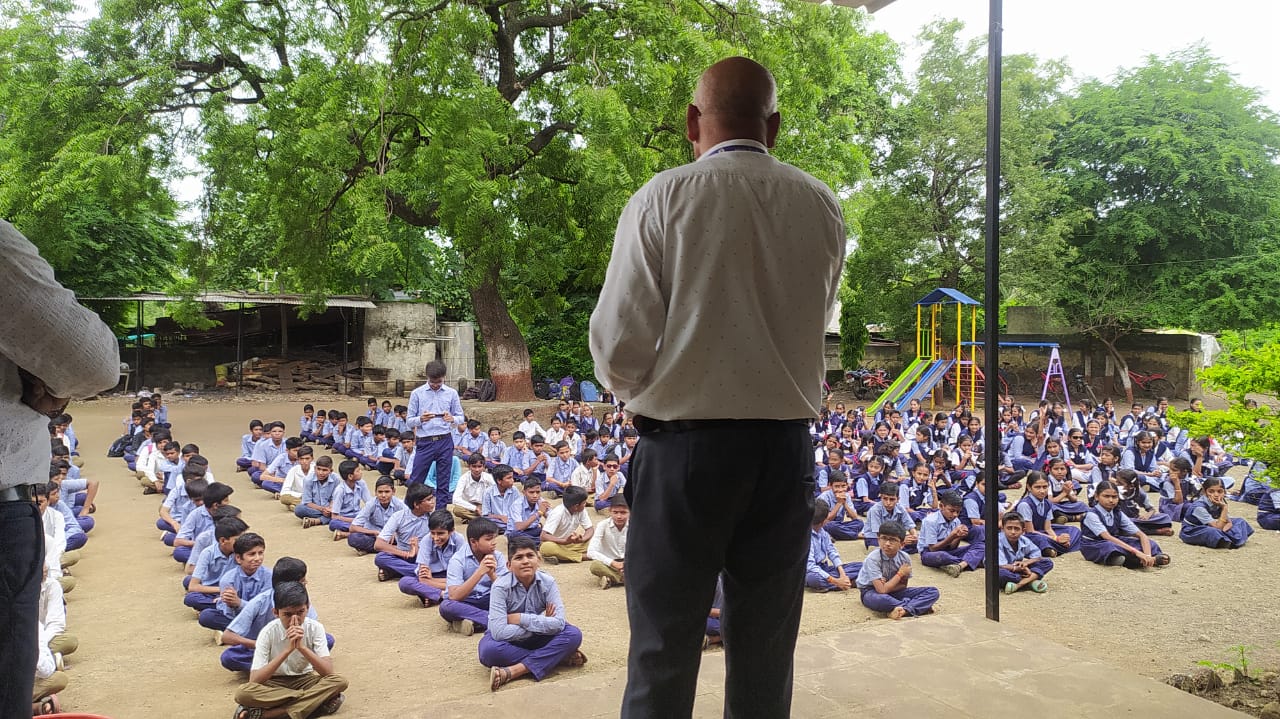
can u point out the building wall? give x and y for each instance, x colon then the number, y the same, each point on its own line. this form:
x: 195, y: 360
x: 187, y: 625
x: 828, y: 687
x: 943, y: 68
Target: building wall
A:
x: 400, y: 337
x: 459, y: 351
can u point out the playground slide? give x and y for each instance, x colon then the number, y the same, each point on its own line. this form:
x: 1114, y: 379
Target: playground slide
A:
x: 903, y: 381
x: 930, y: 379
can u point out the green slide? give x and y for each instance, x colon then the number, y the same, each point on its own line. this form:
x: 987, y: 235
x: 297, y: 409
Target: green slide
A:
x: 904, y: 380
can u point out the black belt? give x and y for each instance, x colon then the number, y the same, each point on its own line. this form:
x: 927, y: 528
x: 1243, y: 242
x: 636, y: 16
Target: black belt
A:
x: 434, y: 438
x: 648, y: 425
x: 18, y: 493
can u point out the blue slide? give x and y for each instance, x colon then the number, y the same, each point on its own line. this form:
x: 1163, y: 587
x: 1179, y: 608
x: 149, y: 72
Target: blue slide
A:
x: 930, y: 379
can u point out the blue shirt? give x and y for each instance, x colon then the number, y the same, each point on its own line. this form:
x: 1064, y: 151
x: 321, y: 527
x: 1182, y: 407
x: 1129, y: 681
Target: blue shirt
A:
x: 522, y: 509
x: 494, y: 451
x: 824, y: 560
x: 306, y: 424
x: 464, y: 563
x: 179, y: 504
x: 878, y: 515
x: 363, y: 444
x: 509, y: 596
x: 211, y: 565
x: 433, y: 401
x: 344, y: 436
x: 202, y: 542
x: 844, y: 512
x: 436, y: 559
x: 68, y: 518
x: 470, y: 444
x: 266, y: 451
x: 280, y: 466
x: 402, y: 526
x: 519, y: 459
x: 257, y: 613
x: 561, y: 470
x: 320, y: 493
x: 197, y: 521
x: 1115, y: 523
x: 935, y: 528
x: 348, y: 501
x: 374, y: 516
x: 499, y: 503
x: 247, y: 443
x: 878, y: 566
x: 247, y: 586
x: 1026, y: 549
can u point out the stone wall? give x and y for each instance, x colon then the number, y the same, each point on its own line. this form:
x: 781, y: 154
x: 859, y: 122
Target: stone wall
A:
x: 401, y: 337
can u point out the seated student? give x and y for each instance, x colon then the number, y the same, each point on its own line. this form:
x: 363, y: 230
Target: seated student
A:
x: 307, y: 423
x: 1269, y: 510
x: 1135, y: 505
x: 528, y: 632
x: 386, y: 415
x: 975, y: 506
x: 555, y: 434
x: 240, y: 582
x: 433, y: 559
x: 247, y: 443
x: 1067, y: 506
x: 389, y: 453
x: 276, y: 472
x: 49, y: 680
x: 82, y: 489
x: 530, y: 426
x: 867, y: 487
x: 1037, y: 511
x: 397, y: 544
x: 349, y: 497
x: 611, y: 484
x: 1178, y: 490
x: 204, y: 589
x: 1113, y: 539
x: 399, y: 420
x: 825, y: 571
x: 498, y: 501
x: 266, y: 450
x: 472, y: 572
x: 888, y: 509
x: 1207, y: 522
x: 363, y: 447
x: 240, y: 636
x: 317, y: 498
x: 607, y: 549
x: 52, y: 616
x: 344, y: 434
x: 560, y: 469
x: 405, y: 453
x: 151, y: 454
x: 471, y: 441
x: 630, y: 436
x: 842, y: 518
x: 919, y: 494
x: 567, y: 530
x: 205, y: 539
x: 468, y: 498
x: 713, y: 634
x: 1021, y: 457
x: 884, y: 575
x: 327, y: 431
x: 494, y: 450
x: 587, y: 472
x: 56, y: 556
x: 528, y: 511
x: 1141, y: 458
x: 373, y: 516
x: 518, y: 456
x: 943, y: 537
x: 75, y: 534
x: 213, y: 495
x: 1021, y: 564
x: 292, y: 673
x: 295, y: 482
x: 538, y: 467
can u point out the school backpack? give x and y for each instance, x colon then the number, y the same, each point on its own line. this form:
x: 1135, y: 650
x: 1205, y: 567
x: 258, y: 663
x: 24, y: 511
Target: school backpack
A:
x: 488, y: 391
x: 470, y: 393
x: 589, y: 391
x: 118, y: 447
x: 566, y: 387
x: 542, y: 389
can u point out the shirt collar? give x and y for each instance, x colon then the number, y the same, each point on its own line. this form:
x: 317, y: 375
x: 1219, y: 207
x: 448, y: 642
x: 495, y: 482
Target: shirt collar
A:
x: 726, y: 143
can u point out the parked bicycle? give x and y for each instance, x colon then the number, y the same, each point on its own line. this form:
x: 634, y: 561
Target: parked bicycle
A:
x: 864, y: 380
x: 1155, y: 384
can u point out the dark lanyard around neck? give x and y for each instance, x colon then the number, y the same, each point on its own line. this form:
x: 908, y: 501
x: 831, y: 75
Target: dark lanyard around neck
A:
x: 736, y: 148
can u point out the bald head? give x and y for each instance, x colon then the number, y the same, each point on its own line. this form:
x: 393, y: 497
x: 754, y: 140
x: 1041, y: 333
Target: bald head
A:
x: 736, y: 98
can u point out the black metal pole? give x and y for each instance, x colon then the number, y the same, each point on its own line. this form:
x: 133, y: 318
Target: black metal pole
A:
x: 239, y: 348
x: 343, y: 374
x: 138, y: 344
x: 991, y: 307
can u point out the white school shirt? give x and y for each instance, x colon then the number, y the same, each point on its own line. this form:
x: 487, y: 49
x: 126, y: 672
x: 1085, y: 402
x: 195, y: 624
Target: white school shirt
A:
x: 470, y: 492
x: 553, y: 436
x: 295, y: 480
x: 55, y: 540
x: 531, y: 427
x: 586, y: 477
x: 272, y: 641
x: 608, y: 544
x: 722, y: 276
x: 561, y: 523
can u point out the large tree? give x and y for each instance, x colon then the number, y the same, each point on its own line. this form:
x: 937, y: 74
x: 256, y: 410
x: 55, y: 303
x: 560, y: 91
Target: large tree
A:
x: 345, y: 143
x: 923, y: 225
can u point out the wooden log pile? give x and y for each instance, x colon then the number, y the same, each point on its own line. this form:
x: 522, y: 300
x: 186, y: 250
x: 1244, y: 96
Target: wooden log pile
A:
x: 275, y: 374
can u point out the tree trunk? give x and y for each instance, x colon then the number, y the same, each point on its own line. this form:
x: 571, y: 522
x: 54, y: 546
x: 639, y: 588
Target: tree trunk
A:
x: 504, y: 345
x: 1122, y: 368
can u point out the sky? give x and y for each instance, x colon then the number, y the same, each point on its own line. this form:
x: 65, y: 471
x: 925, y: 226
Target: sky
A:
x: 1097, y: 37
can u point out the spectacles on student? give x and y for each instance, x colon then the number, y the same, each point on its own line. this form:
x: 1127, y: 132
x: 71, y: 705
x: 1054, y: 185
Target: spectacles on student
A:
x: 611, y: 465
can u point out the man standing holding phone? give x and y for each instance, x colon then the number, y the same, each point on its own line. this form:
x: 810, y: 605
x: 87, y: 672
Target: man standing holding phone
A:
x: 51, y: 349
x: 434, y: 411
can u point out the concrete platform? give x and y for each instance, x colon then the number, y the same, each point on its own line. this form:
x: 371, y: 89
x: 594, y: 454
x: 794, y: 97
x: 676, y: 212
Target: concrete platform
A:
x: 950, y: 665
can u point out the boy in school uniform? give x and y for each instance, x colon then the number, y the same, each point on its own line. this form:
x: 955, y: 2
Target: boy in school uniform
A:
x: 588, y: 471
x: 884, y: 576
x: 470, y: 442
x: 177, y: 504
x: 400, y: 420
x: 518, y: 456
x: 530, y: 426
x: 247, y: 443
x: 528, y: 512
x: 397, y: 544
x: 468, y: 498
x: 241, y: 635
x: 842, y: 517
x: 498, y: 501
x: 241, y: 582
x: 1021, y: 563
x: 75, y: 535
x: 886, y: 510
x: 295, y: 482
x: 373, y: 515
x: 406, y: 453
x: 292, y: 673
x: 433, y: 559
x: 266, y: 450
x: 273, y: 478
x: 389, y: 453
x: 494, y: 450
x: 608, y: 546
x: 472, y: 572
x: 825, y: 571
x: 205, y: 539
x: 538, y: 467
x: 203, y: 588
x: 349, y: 497
x: 527, y: 630
x: 943, y: 536
x: 363, y: 446
x: 386, y: 415
x: 611, y: 484
x: 343, y: 435
x: 317, y: 499
x: 307, y: 423
x: 567, y: 530
x: 200, y: 519
x: 560, y: 469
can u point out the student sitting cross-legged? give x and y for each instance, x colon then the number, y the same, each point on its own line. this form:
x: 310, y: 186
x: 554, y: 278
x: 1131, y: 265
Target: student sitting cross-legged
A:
x: 203, y: 590
x: 374, y: 515
x: 242, y: 633
x: 1021, y: 563
x: 433, y: 559
x: 1208, y: 523
x: 943, y: 538
x: 472, y: 572
x: 825, y: 571
x: 608, y: 546
x: 527, y: 632
x: 884, y: 576
x: 397, y: 544
x: 240, y: 582
x: 567, y: 531
x: 842, y: 517
x: 292, y: 674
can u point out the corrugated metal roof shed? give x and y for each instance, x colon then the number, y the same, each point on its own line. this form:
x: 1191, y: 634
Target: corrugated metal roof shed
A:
x: 259, y: 298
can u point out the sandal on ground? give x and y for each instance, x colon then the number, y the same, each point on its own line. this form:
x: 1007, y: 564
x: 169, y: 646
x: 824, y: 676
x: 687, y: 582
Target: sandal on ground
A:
x: 333, y: 705
x: 1010, y: 587
x: 497, y: 677
x: 1039, y: 586
x: 383, y: 575
x: 1163, y: 560
x: 576, y: 659
x: 244, y: 712
x: 50, y: 705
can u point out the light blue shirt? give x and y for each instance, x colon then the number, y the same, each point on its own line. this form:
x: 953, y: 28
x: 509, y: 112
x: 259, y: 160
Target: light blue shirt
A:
x: 496, y: 502
x: 198, y: 520
x: 1026, y: 549
x: 211, y: 565
x: 257, y: 613
x: 844, y: 512
x: 348, y: 501
x: 433, y: 401
x: 877, y: 566
x: 464, y: 563
x: 320, y: 493
x: 374, y: 516
x: 522, y: 509
x: 247, y: 586
x: 436, y: 559
x: 878, y: 515
x: 509, y: 596
x: 824, y: 560
x: 402, y: 526
x: 266, y: 451
x: 519, y: 459
x: 934, y: 528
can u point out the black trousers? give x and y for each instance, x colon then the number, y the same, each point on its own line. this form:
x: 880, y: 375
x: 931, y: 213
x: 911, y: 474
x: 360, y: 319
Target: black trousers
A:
x: 737, y: 498
x: 21, y: 565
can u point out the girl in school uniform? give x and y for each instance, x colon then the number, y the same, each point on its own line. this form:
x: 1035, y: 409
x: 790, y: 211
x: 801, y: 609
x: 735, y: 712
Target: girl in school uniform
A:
x: 1079, y: 458
x: 848, y: 439
x: 1179, y: 489
x: 1269, y: 510
x: 1081, y: 416
x: 915, y: 414
x: 1067, y: 506
x: 1093, y: 439
x: 965, y: 462
x: 1207, y: 522
x: 922, y: 447
x: 1141, y: 458
x: 1112, y: 539
x: 879, y: 435
x: 1037, y: 511
x: 920, y: 494
x: 867, y: 487
x: 944, y: 474
x: 1053, y: 449
x: 1135, y: 505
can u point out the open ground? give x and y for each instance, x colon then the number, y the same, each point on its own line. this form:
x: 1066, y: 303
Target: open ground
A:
x: 143, y: 655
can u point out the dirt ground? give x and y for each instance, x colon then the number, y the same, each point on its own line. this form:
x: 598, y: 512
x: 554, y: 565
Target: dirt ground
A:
x: 143, y: 655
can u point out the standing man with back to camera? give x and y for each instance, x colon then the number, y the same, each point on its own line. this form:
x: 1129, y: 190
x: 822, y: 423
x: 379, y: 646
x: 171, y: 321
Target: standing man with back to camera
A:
x: 710, y: 327
x: 51, y: 349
